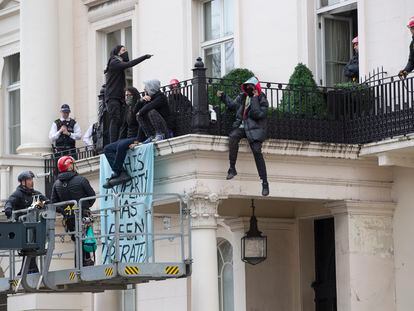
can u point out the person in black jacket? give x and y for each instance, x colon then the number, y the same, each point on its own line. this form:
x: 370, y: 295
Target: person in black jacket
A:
x: 351, y: 70
x: 180, y: 107
x: 115, y: 86
x: 23, y: 197
x: 131, y: 127
x: 410, y: 64
x: 71, y: 186
x: 154, y: 115
x: 251, y: 121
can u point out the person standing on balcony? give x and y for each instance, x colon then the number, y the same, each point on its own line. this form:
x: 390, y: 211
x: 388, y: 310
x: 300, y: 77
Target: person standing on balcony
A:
x: 131, y: 128
x: 23, y: 197
x: 251, y: 120
x: 115, y: 86
x: 71, y: 186
x: 180, y: 106
x: 410, y: 65
x: 154, y: 115
x: 64, y: 132
x: 351, y: 70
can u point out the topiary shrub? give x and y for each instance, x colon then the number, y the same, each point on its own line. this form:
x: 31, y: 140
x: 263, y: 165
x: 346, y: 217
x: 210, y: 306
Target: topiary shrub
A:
x: 302, y: 96
x: 229, y: 84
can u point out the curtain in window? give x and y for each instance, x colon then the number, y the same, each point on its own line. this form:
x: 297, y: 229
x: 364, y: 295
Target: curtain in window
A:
x: 337, y: 34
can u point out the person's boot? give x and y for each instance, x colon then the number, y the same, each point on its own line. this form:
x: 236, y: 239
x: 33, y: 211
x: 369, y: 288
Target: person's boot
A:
x: 231, y: 173
x: 123, y: 177
x: 265, y: 188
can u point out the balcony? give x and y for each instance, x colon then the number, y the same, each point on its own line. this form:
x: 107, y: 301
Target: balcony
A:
x: 366, y: 113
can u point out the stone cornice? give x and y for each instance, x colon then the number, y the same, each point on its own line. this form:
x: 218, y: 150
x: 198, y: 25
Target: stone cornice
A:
x: 370, y: 208
x: 270, y: 147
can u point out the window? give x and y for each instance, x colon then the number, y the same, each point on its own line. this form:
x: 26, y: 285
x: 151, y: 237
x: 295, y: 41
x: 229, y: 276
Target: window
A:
x: 121, y: 36
x: 12, y: 66
x: 225, y: 275
x: 218, y: 43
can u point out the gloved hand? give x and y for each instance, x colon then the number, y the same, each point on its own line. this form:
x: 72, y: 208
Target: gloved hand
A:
x: 403, y: 74
x: 236, y: 124
x: 8, y: 213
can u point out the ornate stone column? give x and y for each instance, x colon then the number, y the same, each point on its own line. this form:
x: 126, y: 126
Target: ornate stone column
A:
x: 365, y: 274
x: 204, y: 282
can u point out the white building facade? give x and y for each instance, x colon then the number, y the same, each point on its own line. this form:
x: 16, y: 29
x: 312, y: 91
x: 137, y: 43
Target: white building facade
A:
x: 334, y: 208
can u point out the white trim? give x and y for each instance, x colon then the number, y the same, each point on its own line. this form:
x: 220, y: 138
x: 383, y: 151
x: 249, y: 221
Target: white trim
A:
x: 328, y: 8
x: 323, y: 41
x: 210, y: 43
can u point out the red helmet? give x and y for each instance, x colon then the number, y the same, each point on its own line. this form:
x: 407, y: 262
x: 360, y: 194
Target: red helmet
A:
x: 65, y: 163
x: 411, y: 22
x: 355, y: 40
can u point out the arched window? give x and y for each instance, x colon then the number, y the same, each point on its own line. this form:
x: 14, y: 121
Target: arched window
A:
x: 225, y: 275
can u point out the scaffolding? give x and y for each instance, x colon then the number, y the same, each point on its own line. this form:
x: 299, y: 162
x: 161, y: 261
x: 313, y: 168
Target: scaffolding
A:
x: 33, y: 236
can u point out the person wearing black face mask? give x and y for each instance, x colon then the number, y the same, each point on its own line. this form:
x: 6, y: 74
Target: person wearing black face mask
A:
x: 251, y: 120
x: 115, y: 86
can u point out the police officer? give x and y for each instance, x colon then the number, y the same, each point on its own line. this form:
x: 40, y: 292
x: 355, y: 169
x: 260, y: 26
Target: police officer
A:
x: 71, y: 186
x: 410, y: 65
x: 64, y: 132
x: 22, y: 198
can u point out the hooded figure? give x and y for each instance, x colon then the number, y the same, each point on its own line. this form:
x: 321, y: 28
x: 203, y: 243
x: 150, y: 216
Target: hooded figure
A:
x: 154, y: 115
x: 130, y: 127
x: 115, y: 86
x: 251, y: 122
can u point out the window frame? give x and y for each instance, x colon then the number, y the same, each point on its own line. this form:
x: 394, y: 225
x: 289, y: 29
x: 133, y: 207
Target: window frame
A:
x: 122, y: 28
x: 9, y: 88
x: 220, y: 274
x: 221, y: 41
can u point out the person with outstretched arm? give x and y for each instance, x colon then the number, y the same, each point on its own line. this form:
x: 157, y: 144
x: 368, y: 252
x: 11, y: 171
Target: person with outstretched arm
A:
x: 115, y: 86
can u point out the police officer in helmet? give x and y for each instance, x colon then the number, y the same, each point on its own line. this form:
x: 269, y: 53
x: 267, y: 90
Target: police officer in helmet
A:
x: 23, y: 197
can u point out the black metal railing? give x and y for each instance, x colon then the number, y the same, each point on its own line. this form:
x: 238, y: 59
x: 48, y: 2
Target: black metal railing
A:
x: 377, y: 109
x: 50, y: 166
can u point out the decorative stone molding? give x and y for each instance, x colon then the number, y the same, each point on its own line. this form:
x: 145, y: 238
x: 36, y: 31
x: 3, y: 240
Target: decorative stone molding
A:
x: 369, y: 208
x: 99, y: 10
x: 203, y: 210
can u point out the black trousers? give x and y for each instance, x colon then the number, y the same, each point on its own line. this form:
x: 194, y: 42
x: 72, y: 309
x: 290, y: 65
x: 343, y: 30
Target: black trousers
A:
x: 234, y: 138
x: 114, y: 107
x: 153, y: 123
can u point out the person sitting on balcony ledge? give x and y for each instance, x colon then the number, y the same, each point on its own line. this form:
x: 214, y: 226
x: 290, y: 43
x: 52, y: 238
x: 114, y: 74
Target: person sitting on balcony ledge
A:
x: 154, y: 114
x: 410, y: 65
x: 251, y: 119
x: 115, y: 86
x: 64, y: 132
x: 351, y: 70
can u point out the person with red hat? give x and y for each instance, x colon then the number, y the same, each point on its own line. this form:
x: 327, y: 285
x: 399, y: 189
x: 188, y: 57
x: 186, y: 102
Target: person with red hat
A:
x: 351, y: 70
x: 71, y: 186
x: 410, y: 65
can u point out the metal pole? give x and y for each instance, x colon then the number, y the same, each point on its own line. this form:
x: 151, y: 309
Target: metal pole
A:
x: 117, y: 220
